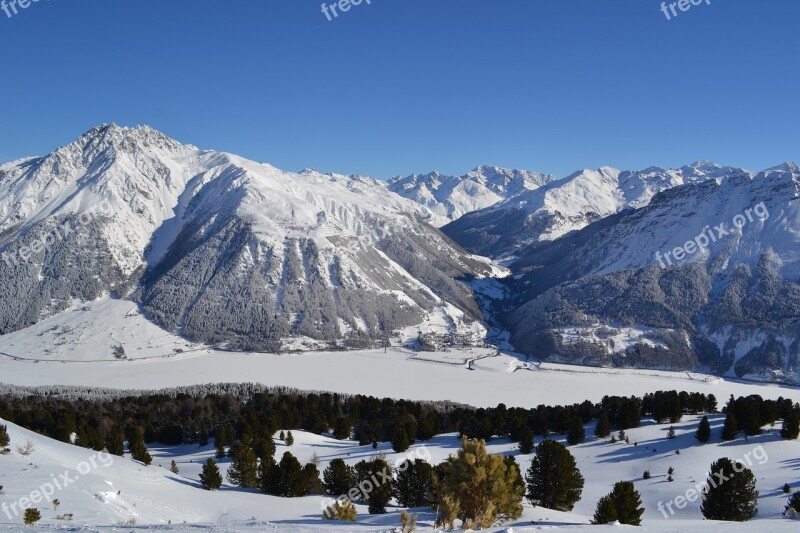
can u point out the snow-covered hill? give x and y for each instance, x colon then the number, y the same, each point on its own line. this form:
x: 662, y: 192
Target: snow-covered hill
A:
x: 116, y: 493
x: 230, y: 250
x: 450, y: 197
x: 569, y: 204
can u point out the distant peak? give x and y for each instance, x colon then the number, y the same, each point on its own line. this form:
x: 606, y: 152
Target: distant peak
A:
x: 789, y: 166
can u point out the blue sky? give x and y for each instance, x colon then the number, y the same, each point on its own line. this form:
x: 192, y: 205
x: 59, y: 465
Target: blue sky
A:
x: 402, y: 86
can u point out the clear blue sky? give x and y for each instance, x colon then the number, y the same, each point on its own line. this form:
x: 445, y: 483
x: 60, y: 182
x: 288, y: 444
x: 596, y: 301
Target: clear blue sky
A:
x: 402, y: 86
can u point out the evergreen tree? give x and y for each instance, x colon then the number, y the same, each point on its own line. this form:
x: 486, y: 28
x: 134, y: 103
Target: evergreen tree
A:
x: 790, y: 429
x: 731, y: 427
x: 173, y: 467
x: 31, y: 516
x: 344, y: 510
x: 606, y: 511
x: 730, y: 493
x: 553, y: 479
x: 478, y: 488
x: 290, y: 481
x: 526, y: 441
x: 312, y: 479
x: 671, y: 432
x: 115, y: 442
x: 576, y: 433
x: 243, y: 470
x: 787, y: 488
x: 139, y: 451
x: 210, y: 478
x: 793, y: 503
x: 400, y: 441
x: 703, y: 433
x: 4, y: 439
x: 289, y: 438
x: 412, y: 487
x: 338, y: 478
x: 267, y: 477
x: 603, y: 427
x: 627, y: 503
x: 379, y: 496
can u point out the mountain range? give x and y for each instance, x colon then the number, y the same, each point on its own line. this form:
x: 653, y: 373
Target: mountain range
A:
x: 227, y: 251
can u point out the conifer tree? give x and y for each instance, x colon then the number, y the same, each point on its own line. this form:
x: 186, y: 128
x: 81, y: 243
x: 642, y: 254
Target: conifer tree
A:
x: 790, y: 428
x: 731, y: 427
x: 553, y: 479
x: 627, y: 503
x: 671, y: 432
x: 4, y: 439
x: 603, y: 427
x: 340, y: 510
x: 290, y: 481
x: 412, y: 486
x: 243, y: 470
x: 115, y: 442
x: 576, y: 433
x: 139, y: 451
x: 338, y: 478
x: 312, y: 479
x: 526, y: 441
x: 606, y: 511
x: 477, y: 487
x: 793, y: 503
x: 703, y: 433
x: 400, y: 441
x: 730, y: 492
x: 289, y: 438
x: 173, y: 467
x: 210, y: 478
x: 380, y: 495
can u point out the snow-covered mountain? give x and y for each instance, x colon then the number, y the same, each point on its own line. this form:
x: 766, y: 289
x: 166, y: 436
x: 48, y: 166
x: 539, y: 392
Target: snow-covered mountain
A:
x: 450, y: 197
x: 707, y: 273
x: 569, y: 204
x: 222, y: 249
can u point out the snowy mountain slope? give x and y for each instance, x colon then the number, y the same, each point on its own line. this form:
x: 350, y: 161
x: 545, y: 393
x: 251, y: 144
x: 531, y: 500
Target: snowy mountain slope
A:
x: 231, y: 250
x: 728, y: 299
x: 450, y: 197
x: 569, y: 204
x: 118, y: 491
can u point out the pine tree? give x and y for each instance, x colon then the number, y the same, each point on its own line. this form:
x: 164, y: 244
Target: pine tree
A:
x: 703, y: 433
x: 603, y: 427
x: 606, y: 511
x: 115, y: 442
x: 412, y: 487
x: 340, y: 510
x: 731, y: 427
x: 787, y: 488
x: 210, y: 478
x: 379, y: 496
x: 553, y: 479
x: 31, y: 516
x: 338, y: 478
x: 290, y: 481
x: 4, y: 440
x: 730, y: 493
x: 289, y: 438
x: 400, y: 441
x: 576, y: 433
x: 671, y: 432
x: 627, y: 503
x: 477, y: 487
x: 139, y: 451
x: 243, y: 470
x: 790, y: 429
x: 173, y: 467
x: 526, y: 441
x: 312, y: 479
x: 794, y: 502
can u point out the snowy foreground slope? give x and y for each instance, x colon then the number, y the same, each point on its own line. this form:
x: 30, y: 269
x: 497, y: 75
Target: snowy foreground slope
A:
x: 118, y: 494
